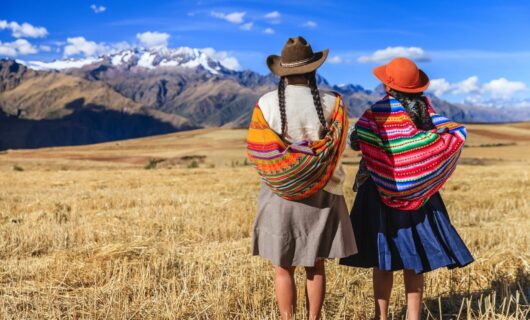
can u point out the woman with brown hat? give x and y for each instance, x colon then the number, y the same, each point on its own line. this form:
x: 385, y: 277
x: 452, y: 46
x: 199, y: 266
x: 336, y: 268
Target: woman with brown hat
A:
x: 296, y: 137
x: 399, y: 218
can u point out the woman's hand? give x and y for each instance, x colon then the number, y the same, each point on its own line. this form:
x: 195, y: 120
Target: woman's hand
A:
x: 352, y: 139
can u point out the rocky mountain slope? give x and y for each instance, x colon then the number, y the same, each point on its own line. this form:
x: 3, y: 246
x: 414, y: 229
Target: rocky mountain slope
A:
x: 39, y: 109
x: 140, y: 92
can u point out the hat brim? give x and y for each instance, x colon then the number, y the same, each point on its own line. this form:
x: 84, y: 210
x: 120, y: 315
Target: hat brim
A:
x: 274, y: 64
x: 380, y: 73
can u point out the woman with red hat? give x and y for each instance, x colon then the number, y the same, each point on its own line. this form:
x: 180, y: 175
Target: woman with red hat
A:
x: 399, y: 219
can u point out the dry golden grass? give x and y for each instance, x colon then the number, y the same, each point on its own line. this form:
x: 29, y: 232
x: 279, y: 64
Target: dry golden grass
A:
x: 88, y: 233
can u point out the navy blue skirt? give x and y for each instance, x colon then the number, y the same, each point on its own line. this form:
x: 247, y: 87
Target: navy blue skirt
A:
x: 390, y: 239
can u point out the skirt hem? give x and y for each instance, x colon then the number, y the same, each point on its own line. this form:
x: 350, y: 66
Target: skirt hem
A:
x: 417, y: 271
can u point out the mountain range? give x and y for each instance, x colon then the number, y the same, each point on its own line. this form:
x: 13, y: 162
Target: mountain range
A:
x: 140, y: 92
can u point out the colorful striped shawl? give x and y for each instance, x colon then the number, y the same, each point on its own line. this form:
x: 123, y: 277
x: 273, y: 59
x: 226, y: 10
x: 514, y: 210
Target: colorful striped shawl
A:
x: 408, y: 165
x: 298, y: 170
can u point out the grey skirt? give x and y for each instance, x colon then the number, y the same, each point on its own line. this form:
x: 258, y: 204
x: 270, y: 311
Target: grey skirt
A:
x: 298, y: 233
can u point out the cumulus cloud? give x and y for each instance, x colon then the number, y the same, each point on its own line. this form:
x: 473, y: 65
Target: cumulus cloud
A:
x: 469, y: 85
x: 81, y: 46
x: 503, y: 88
x: 98, y: 9
x: 477, y: 93
x: 335, y: 60
x: 268, y: 31
x: 153, y: 39
x: 273, y: 17
x: 247, y: 26
x: 387, y: 54
x: 310, y: 24
x: 16, y: 48
x: 224, y: 57
x: 24, y: 30
x: 7, y: 50
x: 233, y: 17
x: 439, y: 86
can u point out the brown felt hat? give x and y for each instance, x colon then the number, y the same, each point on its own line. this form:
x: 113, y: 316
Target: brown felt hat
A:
x: 297, y: 58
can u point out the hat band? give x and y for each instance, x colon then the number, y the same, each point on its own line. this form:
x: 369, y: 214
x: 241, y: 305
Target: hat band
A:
x: 297, y: 63
x: 391, y: 79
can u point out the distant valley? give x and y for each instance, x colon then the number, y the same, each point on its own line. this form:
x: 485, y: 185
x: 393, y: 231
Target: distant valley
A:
x: 142, y: 92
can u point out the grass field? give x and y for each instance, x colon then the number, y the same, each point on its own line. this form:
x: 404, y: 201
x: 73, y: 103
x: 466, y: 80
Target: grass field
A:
x: 160, y: 227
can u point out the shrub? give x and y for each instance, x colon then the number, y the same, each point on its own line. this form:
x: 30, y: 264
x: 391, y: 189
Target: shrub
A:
x: 193, y: 164
x: 152, y: 164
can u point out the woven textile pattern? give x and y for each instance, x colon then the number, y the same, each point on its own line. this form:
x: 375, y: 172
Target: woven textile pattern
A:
x: 408, y: 165
x: 298, y: 170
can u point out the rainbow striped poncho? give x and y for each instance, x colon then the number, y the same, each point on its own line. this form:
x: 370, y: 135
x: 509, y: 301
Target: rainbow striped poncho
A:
x: 298, y: 170
x: 408, y: 165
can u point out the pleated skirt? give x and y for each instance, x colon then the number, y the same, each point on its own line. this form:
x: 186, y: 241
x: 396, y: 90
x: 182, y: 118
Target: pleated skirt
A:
x: 298, y: 233
x: 390, y: 239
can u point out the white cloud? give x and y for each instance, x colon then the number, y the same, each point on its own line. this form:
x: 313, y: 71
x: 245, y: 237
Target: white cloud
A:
x: 82, y: 46
x: 273, y: 15
x: 511, y: 103
x: 24, y: 47
x: 385, y: 55
x: 335, y: 60
x: 17, y: 47
x: 24, y: 30
x: 233, y: 17
x: 247, y: 26
x: 45, y: 48
x: 439, y: 86
x: 6, y: 49
x: 268, y: 31
x: 503, y: 88
x: 476, y: 93
x: 469, y: 85
x: 310, y: 24
x: 224, y: 57
x: 98, y: 9
x: 79, y: 45
x: 153, y: 39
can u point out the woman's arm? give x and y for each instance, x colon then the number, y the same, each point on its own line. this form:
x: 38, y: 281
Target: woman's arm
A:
x: 353, y: 139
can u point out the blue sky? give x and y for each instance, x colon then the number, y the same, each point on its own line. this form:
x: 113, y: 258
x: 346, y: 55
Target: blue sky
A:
x: 474, y: 50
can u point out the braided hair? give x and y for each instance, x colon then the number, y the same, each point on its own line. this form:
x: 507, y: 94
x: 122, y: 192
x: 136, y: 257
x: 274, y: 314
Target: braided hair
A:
x: 416, y: 107
x: 311, y: 79
x: 281, y: 99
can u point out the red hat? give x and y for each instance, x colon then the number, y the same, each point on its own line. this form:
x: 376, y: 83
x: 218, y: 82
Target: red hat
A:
x: 403, y: 75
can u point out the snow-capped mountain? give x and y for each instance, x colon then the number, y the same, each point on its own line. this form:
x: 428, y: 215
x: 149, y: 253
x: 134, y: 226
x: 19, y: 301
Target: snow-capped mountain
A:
x: 184, y: 57
x: 138, y: 92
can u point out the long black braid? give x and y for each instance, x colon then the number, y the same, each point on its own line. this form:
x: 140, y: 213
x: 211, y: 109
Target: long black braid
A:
x: 416, y: 108
x: 281, y: 99
x: 311, y: 79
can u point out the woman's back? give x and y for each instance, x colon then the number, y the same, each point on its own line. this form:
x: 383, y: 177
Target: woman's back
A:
x: 302, y: 121
x: 302, y: 118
